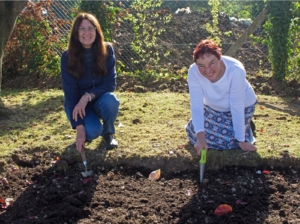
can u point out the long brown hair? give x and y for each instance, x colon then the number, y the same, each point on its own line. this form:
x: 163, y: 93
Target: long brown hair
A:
x: 207, y: 47
x: 75, y: 50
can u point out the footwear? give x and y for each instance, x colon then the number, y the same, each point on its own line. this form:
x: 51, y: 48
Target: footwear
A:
x: 110, y: 142
x: 87, y: 141
x: 252, y: 125
x: 253, y: 128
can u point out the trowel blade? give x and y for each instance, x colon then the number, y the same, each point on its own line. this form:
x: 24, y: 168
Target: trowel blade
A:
x: 87, y: 173
x: 202, y: 168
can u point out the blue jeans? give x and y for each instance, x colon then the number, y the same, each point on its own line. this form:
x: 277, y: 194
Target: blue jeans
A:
x: 105, y: 108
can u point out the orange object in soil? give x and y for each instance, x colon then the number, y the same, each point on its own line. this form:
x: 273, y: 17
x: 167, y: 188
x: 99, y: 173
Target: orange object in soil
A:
x: 154, y: 175
x: 222, y: 209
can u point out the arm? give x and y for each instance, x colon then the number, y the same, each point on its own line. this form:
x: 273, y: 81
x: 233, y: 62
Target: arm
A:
x: 237, y: 103
x: 196, y: 100
x: 237, y: 108
x: 197, y: 109
x: 71, y: 91
x: 109, y: 80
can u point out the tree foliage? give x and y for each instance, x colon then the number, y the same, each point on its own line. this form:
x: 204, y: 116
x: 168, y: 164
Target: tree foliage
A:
x: 241, y: 8
x: 213, y: 28
x: 294, y: 51
x: 146, y: 17
x: 106, y: 13
x: 278, y: 27
x: 36, y: 43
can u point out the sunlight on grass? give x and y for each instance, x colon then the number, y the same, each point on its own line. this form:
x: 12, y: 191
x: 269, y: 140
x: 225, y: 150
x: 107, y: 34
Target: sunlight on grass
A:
x: 149, y: 125
x: 277, y: 122
x: 152, y: 122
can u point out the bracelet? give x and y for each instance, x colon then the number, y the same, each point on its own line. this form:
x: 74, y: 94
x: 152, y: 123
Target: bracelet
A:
x: 240, y: 141
x: 89, y: 95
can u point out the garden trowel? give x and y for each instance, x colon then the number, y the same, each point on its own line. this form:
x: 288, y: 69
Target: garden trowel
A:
x: 86, y: 173
x: 202, y: 164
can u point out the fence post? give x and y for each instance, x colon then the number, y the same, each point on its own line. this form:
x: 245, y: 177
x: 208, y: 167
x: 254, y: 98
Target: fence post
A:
x: 262, y: 16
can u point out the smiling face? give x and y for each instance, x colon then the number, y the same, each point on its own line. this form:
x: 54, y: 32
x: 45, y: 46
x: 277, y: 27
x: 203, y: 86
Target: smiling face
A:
x: 210, y: 67
x: 86, y: 33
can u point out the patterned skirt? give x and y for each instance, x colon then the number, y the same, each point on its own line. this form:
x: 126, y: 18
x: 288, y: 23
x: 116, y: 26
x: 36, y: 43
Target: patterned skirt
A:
x: 218, y: 129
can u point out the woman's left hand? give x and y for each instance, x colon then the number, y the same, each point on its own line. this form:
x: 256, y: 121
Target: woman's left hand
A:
x: 79, y: 109
x: 247, y: 147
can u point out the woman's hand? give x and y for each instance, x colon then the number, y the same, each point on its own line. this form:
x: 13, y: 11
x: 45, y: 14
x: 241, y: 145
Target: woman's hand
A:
x: 201, y: 142
x: 247, y: 147
x: 79, y: 109
x: 80, y: 138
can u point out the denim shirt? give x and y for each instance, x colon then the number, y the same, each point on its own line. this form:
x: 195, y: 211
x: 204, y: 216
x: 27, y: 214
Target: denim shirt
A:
x: 74, y: 88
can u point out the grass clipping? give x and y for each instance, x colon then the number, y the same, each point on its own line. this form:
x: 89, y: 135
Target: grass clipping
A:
x: 150, y: 130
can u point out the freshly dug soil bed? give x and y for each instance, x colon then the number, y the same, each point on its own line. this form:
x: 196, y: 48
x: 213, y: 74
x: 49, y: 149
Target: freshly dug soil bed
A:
x: 56, y: 193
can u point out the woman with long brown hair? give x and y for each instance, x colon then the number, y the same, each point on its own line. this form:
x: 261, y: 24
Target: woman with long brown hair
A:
x: 89, y: 79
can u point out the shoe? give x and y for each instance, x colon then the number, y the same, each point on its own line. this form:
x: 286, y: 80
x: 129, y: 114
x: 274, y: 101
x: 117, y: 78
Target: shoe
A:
x: 110, y: 142
x: 252, y: 125
x: 253, y: 128
x: 87, y: 141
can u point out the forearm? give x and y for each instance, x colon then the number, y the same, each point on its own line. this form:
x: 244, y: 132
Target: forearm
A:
x: 238, y: 122
x: 80, y: 128
x: 201, y: 136
x: 89, y: 96
x: 196, y: 101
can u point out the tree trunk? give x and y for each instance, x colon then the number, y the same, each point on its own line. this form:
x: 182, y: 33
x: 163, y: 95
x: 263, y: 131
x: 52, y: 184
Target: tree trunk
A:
x: 9, y: 11
x: 262, y: 16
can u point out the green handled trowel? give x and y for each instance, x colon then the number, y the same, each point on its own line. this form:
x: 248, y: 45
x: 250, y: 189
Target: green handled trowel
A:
x: 202, y: 164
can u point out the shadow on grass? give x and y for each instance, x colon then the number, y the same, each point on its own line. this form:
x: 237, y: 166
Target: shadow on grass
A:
x: 22, y: 115
x: 292, y: 106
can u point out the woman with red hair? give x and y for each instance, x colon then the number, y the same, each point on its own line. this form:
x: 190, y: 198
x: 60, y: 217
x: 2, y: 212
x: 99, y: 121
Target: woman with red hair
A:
x: 222, y: 101
x: 88, y: 71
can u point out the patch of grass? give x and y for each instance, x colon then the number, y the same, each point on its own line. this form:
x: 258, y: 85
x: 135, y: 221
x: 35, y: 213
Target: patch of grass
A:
x: 150, y: 130
x: 277, y: 122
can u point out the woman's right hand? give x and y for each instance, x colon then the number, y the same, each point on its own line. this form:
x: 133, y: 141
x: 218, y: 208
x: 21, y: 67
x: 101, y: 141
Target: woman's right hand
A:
x: 79, y: 109
x: 201, y: 142
x: 80, y: 138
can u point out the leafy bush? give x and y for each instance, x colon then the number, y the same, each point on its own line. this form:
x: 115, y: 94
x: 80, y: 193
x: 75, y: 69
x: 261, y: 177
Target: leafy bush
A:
x: 36, y: 43
x: 294, y: 51
x: 146, y: 21
x: 278, y: 27
x: 282, y: 36
x: 105, y: 11
x: 213, y: 29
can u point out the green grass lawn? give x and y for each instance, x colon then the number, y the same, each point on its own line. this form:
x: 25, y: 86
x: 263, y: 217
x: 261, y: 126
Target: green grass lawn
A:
x: 150, y: 131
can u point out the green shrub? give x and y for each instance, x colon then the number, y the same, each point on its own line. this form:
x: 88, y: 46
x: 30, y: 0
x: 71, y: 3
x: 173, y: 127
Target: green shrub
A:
x: 106, y: 13
x: 36, y: 43
x: 278, y: 27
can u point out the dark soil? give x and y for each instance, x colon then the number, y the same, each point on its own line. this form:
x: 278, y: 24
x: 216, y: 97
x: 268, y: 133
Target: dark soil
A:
x: 51, y: 191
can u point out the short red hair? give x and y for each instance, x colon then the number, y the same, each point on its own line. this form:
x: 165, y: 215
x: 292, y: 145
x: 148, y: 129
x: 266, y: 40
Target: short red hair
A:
x: 207, y: 47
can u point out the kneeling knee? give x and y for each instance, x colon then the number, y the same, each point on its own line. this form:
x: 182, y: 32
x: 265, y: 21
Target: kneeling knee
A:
x: 93, y: 133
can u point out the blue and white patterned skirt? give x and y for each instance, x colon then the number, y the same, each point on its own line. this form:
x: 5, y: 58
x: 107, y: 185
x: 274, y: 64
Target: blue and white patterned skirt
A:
x: 218, y: 129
